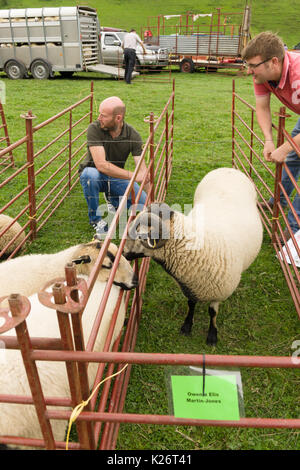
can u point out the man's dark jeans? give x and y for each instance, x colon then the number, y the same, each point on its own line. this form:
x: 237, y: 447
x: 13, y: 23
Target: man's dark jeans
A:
x: 129, y: 56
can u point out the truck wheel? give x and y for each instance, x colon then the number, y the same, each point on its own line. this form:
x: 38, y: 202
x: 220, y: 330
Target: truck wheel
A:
x: 15, y: 69
x: 40, y: 69
x: 187, y: 66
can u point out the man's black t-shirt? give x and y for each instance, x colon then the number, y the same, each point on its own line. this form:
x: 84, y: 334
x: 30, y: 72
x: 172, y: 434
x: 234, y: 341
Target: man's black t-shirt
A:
x: 117, y: 149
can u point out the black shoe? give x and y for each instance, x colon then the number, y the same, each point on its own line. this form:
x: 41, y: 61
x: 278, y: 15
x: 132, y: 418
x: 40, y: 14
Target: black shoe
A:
x: 286, y: 235
x: 267, y: 206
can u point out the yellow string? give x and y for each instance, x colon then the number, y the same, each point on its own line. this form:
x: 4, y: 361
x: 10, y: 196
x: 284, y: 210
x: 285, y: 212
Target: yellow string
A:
x: 31, y: 217
x: 78, y: 409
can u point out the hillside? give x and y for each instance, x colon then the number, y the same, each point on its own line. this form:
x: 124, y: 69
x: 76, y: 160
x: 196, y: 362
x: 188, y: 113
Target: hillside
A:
x: 275, y: 15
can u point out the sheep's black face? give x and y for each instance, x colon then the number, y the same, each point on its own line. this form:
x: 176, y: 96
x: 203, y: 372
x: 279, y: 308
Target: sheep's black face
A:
x: 138, y: 247
x: 134, y: 283
x: 148, y: 232
x: 133, y: 249
x: 130, y: 256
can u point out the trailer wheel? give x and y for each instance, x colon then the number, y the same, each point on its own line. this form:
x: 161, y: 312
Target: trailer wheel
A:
x: 187, y: 66
x: 15, y: 69
x: 40, y: 69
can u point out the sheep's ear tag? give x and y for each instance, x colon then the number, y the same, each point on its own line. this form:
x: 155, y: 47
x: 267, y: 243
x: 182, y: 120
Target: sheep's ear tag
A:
x: 82, y: 260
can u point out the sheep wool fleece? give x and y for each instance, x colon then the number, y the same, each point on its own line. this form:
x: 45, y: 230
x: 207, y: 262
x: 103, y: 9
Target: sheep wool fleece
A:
x: 232, y: 231
x: 21, y: 420
x: 208, y: 249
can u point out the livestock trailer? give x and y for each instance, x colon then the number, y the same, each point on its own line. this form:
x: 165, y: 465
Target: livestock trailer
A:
x: 207, y: 40
x: 42, y: 41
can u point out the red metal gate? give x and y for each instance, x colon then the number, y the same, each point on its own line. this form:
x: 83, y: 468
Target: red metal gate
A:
x: 6, y: 161
x: 109, y: 414
x: 246, y: 155
x: 35, y: 197
x: 158, y: 150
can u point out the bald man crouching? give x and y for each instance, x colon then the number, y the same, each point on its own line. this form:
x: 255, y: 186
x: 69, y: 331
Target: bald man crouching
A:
x: 110, y: 140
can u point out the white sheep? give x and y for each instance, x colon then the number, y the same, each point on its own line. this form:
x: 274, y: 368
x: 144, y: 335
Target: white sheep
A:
x: 21, y: 420
x: 28, y: 274
x: 206, y: 251
x: 7, y: 237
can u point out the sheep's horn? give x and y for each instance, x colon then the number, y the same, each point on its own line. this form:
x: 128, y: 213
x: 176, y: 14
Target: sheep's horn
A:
x: 158, y: 230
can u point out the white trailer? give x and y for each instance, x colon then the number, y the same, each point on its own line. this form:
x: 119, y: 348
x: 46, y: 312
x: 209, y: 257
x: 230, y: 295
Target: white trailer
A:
x: 215, y: 43
x: 42, y: 41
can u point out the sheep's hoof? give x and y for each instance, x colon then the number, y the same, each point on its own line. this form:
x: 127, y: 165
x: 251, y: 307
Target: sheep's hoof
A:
x: 186, y: 329
x: 212, y: 339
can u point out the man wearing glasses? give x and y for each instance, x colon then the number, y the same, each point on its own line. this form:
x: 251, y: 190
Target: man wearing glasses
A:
x: 276, y: 71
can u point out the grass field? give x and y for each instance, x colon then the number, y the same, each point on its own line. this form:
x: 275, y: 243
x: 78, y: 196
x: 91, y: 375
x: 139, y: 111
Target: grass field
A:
x: 260, y: 318
x: 275, y: 15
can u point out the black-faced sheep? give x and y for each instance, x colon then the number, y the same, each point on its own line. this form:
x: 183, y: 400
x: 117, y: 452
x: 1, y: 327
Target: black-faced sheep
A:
x: 206, y: 251
x: 28, y: 274
x: 9, y: 234
x: 21, y: 420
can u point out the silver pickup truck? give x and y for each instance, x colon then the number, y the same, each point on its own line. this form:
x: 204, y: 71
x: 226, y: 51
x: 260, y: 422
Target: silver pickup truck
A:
x: 112, y: 53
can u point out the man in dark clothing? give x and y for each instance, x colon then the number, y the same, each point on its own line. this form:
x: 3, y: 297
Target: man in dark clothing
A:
x: 130, y: 43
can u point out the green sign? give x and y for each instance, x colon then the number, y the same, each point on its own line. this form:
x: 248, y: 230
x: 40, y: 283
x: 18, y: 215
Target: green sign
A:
x: 220, y: 400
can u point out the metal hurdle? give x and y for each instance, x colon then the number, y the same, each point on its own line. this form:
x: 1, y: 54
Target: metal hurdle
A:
x: 69, y: 306
x: 247, y: 156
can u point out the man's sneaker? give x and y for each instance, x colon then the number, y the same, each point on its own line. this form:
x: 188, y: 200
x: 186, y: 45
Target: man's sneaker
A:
x: 286, y: 236
x: 110, y: 208
x: 267, y: 206
x: 101, y: 228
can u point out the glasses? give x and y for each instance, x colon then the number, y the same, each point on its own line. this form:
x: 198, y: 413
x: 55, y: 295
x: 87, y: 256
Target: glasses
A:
x: 253, y: 66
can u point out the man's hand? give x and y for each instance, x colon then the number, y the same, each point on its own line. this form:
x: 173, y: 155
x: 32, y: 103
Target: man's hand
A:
x: 140, y: 176
x: 279, y: 155
x: 269, y: 147
x: 141, y: 173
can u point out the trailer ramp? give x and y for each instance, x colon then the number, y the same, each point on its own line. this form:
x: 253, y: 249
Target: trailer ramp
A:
x: 109, y: 70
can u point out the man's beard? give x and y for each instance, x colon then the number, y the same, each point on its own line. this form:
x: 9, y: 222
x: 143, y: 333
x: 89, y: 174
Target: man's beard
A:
x: 109, y: 127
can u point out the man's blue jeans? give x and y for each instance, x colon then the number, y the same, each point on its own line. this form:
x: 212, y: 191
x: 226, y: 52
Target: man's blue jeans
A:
x: 293, y: 163
x: 93, y: 182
